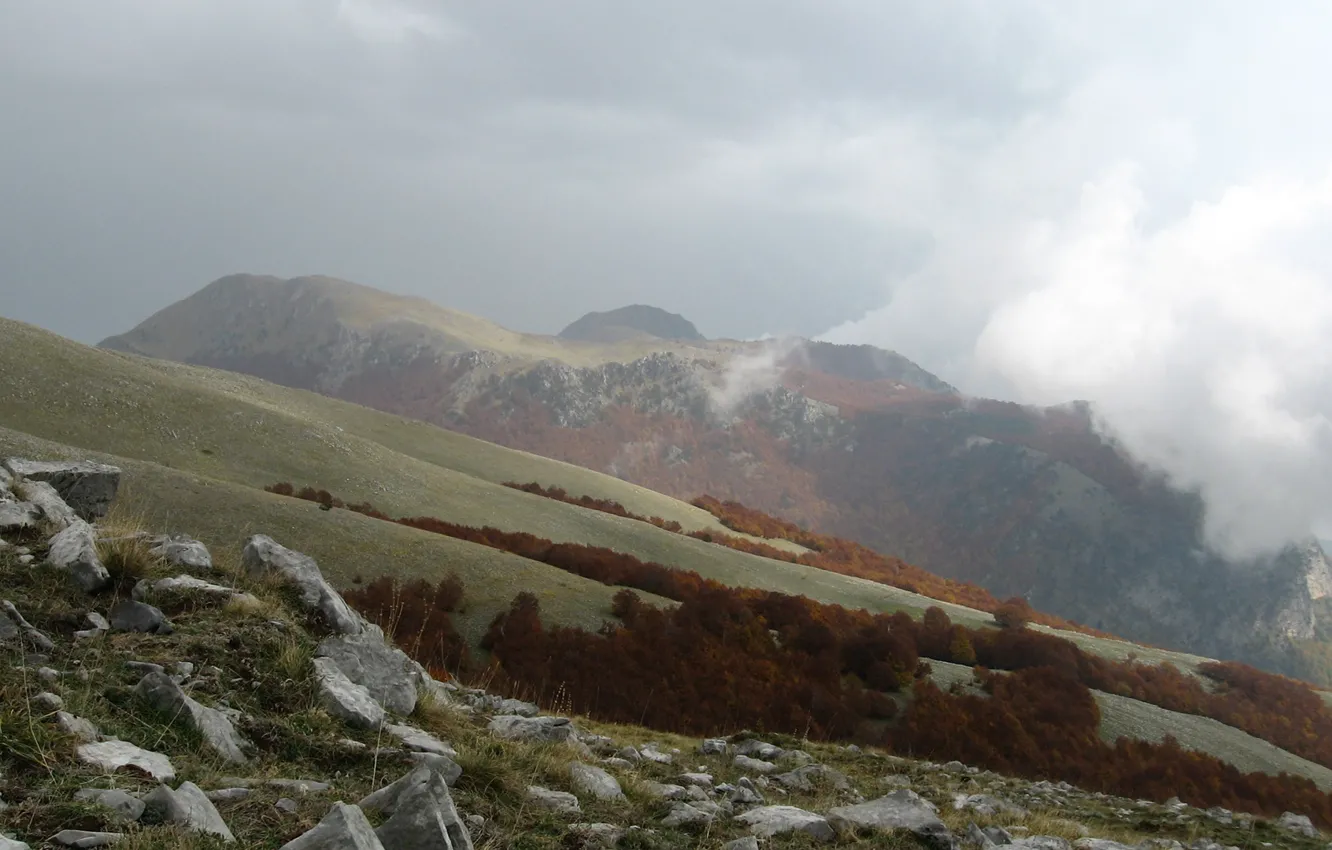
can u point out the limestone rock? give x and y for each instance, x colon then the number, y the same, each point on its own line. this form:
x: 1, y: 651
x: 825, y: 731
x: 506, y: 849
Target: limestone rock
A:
x: 903, y: 809
x: 164, y: 694
x: 53, y: 508
x: 985, y: 804
x: 12, y: 844
x: 596, y: 836
x: 79, y: 727
x: 89, y: 488
x: 419, y: 741
x: 114, y: 755
x: 749, y: 842
x: 130, y: 616
x: 183, y: 584
x: 713, y: 747
x: 594, y: 781
x: 755, y: 765
x: 344, y: 699
x: 15, y: 629
x: 368, y: 660
x: 182, y: 551
x: 189, y: 807
x: 18, y: 516
x: 421, y: 813
x: 767, y: 821
x: 74, y: 550
x: 343, y: 828
x: 649, y: 752
x: 556, y: 801
x: 263, y: 555
x: 686, y: 814
x: 809, y: 777
x: 1299, y: 824
x: 82, y: 838
x: 124, y: 806
x: 228, y: 795
x: 47, y: 702
x: 517, y: 728
x: 757, y: 749
x: 664, y: 791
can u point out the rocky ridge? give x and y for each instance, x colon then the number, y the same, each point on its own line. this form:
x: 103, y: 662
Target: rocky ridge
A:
x: 253, y: 706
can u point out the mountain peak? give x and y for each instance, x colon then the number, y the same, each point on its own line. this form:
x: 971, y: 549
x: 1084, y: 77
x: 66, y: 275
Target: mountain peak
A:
x: 632, y: 321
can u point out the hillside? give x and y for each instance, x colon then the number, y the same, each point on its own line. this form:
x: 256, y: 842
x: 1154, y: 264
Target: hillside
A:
x: 628, y: 322
x: 852, y: 441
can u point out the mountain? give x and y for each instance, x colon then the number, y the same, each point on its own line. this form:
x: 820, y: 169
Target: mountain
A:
x: 850, y: 440
x: 631, y: 321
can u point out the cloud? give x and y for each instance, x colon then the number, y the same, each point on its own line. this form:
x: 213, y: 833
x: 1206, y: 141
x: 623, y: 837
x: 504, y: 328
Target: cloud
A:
x: 751, y: 370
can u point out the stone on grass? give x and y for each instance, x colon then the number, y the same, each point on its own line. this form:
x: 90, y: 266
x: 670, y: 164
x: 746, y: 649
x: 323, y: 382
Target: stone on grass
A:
x: 19, y: 516
x: 757, y: 749
x: 749, y: 842
x: 713, y: 747
x: 82, y: 838
x: 595, y: 782
x: 421, y: 813
x: 368, y: 660
x: 15, y: 629
x: 147, y: 588
x: 112, y: 756
x: 664, y: 791
x: 189, y: 807
x: 517, y: 728
x: 1299, y: 824
x: 443, y: 765
x: 54, y: 510
x: 903, y: 809
x: 299, y: 786
x: 756, y: 765
x: 263, y: 555
x: 556, y: 801
x: 228, y: 795
x: 7, y: 843
x: 809, y: 777
x: 686, y: 814
x: 419, y: 741
x: 767, y: 821
x: 181, y: 551
x: 124, y: 806
x: 343, y: 828
x: 287, y: 806
x: 87, y: 487
x: 344, y: 699
x: 130, y: 616
x: 79, y: 727
x: 649, y: 752
x: 74, y: 550
x: 163, y: 693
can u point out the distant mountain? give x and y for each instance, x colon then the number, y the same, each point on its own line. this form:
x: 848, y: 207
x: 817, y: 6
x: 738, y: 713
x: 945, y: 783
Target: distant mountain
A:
x: 854, y: 441
x: 629, y: 322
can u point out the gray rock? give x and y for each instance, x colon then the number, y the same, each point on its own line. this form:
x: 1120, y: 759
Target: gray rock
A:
x: 164, y: 694
x: 899, y: 810
x: 299, y: 786
x: 797, y: 757
x: 49, y: 675
x: 15, y: 629
x: 343, y: 828
x: 181, y: 551
x: 686, y: 814
x: 702, y: 780
x: 262, y: 555
x: 757, y: 749
x: 986, y: 804
x: 756, y: 765
x: 368, y: 660
x: 664, y: 791
x: 189, y: 807
x: 1299, y: 824
x: 47, y: 702
x: 287, y: 806
x: 809, y: 777
x: 650, y: 753
x: 419, y: 741
x: 344, y: 699
x: 89, y: 488
x: 148, y: 589
x: 124, y: 806
x: 144, y: 667
x: 595, y: 782
x: 421, y: 813
x: 74, y: 550
x: 7, y: 843
x: 556, y: 801
x: 1100, y: 844
x: 749, y: 842
x: 767, y: 821
x: 443, y: 765
x: 113, y: 756
x: 19, y: 516
x: 97, y: 621
x: 82, y: 838
x: 629, y: 754
x: 617, y: 762
x: 516, y: 728
x: 229, y: 795
x: 745, y: 793
x: 130, y: 616
x: 713, y: 747
x: 594, y: 836
x: 80, y: 728
x: 53, y: 508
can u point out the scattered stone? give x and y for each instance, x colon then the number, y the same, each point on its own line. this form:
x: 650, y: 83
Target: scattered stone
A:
x: 617, y: 762
x: 899, y: 810
x: 113, y: 755
x: 649, y: 752
x: 756, y: 765
x: 556, y: 801
x: 594, y: 781
x: 74, y: 550
x: 767, y: 821
x: 7, y: 843
x: 263, y: 555
x: 596, y: 835
x: 47, y: 702
x: 809, y: 777
x: 87, y: 487
x: 130, y: 616
x: 81, y: 838
x: 344, y: 699
x: 664, y: 791
x: 287, y: 806
x: 749, y: 842
x: 421, y: 813
x: 125, y: 806
x: 25, y: 560
x: 703, y: 780
x: 79, y: 727
x: 686, y: 814
x: 19, y: 516
x: 145, y: 667
x: 1299, y: 824
x: 228, y: 795
x: 182, y: 584
x: 421, y: 742
x: 516, y: 728
x: 343, y: 828
x: 757, y: 749
x: 181, y: 551
x: 49, y: 675
x: 15, y: 629
x: 164, y: 694
x: 53, y: 508
x: 299, y: 786
x: 713, y: 747
x: 368, y: 660
x: 985, y: 804
x: 189, y: 807
x: 745, y: 793
x: 1220, y: 815
x: 799, y: 758
x: 629, y: 754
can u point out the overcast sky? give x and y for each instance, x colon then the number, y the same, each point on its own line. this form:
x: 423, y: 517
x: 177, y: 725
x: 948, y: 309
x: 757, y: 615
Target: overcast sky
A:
x: 1122, y: 201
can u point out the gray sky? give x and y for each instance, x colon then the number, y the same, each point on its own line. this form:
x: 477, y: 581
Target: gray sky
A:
x: 1126, y: 201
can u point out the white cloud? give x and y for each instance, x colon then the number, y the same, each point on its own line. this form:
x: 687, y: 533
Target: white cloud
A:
x: 388, y: 21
